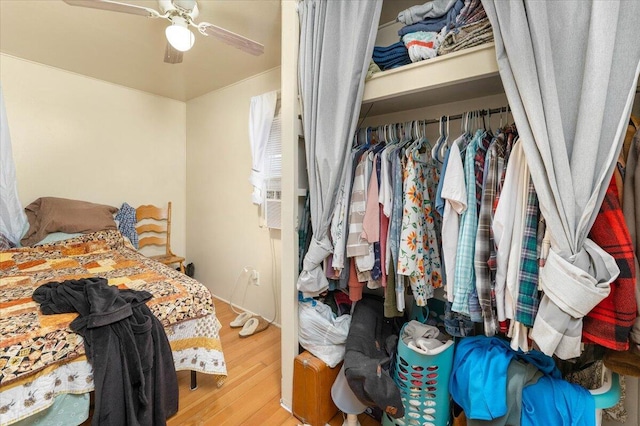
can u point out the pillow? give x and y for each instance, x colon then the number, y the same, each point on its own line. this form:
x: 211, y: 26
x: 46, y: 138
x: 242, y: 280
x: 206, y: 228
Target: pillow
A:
x: 57, y: 236
x: 51, y: 214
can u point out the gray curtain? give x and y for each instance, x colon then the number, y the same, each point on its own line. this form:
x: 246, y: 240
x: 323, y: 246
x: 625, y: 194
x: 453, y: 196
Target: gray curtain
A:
x: 336, y: 43
x: 569, y: 69
x: 13, y: 220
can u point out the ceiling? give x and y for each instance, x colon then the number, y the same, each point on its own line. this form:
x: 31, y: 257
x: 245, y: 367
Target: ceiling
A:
x: 129, y: 50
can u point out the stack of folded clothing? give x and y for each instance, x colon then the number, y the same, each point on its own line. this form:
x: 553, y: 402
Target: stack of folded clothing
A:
x: 472, y: 11
x: 435, y: 18
x: 422, y: 44
x: 438, y: 27
x: 471, y: 28
x: 391, y: 56
x: 426, y: 26
x: 466, y: 36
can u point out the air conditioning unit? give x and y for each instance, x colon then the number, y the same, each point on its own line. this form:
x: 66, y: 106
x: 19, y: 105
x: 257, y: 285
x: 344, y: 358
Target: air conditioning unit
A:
x: 272, y: 206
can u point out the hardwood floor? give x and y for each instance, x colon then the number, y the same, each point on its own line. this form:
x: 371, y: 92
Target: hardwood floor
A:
x: 251, y: 392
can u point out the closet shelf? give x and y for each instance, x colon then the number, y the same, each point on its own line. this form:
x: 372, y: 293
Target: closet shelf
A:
x: 466, y: 74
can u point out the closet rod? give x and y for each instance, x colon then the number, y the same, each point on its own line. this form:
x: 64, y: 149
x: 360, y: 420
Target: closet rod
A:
x: 482, y: 112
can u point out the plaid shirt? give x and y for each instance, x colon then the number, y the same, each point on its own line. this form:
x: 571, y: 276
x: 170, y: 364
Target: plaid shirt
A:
x: 471, y: 12
x: 505, y: 143
x: 609, y: 323
x: 481, y: 155
x: 464, y: 273
x: 484, y: 238
x: 527, y: 304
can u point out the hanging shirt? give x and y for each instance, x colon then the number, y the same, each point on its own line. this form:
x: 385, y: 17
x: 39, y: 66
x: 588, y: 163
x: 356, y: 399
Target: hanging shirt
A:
x: 433, y: 224
x: 439, y: 201
x: 377, y: 272
x: 365, y: 262
x: 356, y: 244
x: 412, y: 238
x: 610, y: 322
x: 507, y: 136
x: 475, y: 310
x: 395, y: 227
x: 527, y: 303
x: 507, y: 231
x: 464, y: 283
x: 419, y: 254
x: 432, y: 179
x: 385, y: 193
x: 341, y: 212
x: 385, y: 197
x: 371, y: 221
x: 481, y: 155
x: 484, y: 240
x: 454, y: 194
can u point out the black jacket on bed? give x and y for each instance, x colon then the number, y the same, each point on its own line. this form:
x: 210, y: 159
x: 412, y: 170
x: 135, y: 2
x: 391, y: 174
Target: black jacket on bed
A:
x: 133, y: 370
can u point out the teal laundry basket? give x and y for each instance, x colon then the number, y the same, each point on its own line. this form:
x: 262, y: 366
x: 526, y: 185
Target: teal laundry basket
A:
x: 423, y: 381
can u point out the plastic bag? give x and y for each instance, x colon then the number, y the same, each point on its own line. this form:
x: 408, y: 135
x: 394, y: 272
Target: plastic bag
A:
x: 321, y: 333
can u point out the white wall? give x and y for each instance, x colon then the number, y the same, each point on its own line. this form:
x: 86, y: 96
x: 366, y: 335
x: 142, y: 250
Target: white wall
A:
x: 82, y: 138
x: 223, y: 226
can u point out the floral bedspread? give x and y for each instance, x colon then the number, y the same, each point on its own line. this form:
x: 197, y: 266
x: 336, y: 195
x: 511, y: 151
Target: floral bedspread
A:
x: 31, y: 342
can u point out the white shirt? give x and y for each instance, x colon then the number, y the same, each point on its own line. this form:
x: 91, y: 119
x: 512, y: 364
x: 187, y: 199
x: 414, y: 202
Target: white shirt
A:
x: 508, y: 231
x: 454, y: 194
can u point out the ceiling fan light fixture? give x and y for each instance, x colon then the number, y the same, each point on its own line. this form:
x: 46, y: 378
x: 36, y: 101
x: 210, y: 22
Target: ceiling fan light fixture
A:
x: 179, y: 35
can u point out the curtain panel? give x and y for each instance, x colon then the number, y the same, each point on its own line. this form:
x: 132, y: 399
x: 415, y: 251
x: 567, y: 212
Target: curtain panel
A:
x: 13, y: 220
x: 569, y: 70
x: 336, y: 44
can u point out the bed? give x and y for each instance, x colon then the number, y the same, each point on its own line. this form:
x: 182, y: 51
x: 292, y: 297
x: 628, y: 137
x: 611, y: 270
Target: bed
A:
x: 42, y: 360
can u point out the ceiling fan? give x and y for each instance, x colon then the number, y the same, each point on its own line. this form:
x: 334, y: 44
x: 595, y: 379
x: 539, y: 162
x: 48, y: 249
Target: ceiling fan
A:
x: 181, y: 14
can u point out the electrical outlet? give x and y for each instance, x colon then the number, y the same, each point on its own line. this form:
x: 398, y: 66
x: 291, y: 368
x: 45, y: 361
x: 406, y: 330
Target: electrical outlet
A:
x: 255, y: 278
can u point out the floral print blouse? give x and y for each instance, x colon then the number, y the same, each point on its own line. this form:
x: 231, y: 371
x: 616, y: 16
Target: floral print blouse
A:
x: 419, y: 255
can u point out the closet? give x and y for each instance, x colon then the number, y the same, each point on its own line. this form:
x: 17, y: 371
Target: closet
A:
x: 446, y: 85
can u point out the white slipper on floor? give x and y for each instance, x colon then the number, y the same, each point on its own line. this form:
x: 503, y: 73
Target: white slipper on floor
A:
x: 253, y: 326
x: 240, y: 320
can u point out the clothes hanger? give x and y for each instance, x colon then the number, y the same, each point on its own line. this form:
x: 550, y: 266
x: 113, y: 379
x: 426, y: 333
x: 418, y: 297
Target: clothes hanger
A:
x: 435, y: 151
x: 489, y: 114
x: 356, y: 139
x: 447, y: 143
x: 419, y: 140
x: 465, y: 137
x: 394, y: 138
x: 414, y: 137
x: 407, y: 134
x: 422, y: 144
x: 418, y: 143
x: 368, y: 137
x: 381, y: 142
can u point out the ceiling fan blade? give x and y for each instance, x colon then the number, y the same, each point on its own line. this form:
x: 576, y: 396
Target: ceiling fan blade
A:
x: 171, y: 55
x: 115, y: 6
x: 231, y: 38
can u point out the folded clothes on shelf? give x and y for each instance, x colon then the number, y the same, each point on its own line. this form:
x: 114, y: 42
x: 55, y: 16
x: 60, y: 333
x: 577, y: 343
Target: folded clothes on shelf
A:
x: 420, y: 12
x: 422, y: 45
x: 387, y: 57
x: 472, y: 11
x: 435, y: 24
x: 466, y: 36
